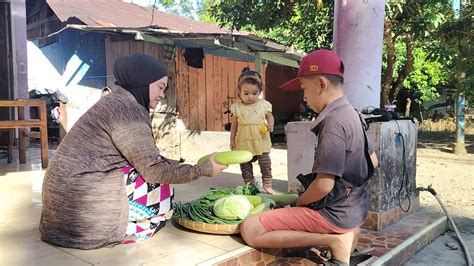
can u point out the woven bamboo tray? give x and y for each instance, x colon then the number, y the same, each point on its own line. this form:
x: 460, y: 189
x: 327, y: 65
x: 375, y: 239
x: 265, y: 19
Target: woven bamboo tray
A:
x: 218, y: 229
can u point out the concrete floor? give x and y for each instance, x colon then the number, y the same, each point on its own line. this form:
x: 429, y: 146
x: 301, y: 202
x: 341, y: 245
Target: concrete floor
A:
x: 20, y: 210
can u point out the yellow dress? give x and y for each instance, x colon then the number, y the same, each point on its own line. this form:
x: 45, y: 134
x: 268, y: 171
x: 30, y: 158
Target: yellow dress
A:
x: 250, y: 119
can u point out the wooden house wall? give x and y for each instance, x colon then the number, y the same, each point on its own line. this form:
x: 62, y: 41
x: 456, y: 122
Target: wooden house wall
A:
x: 201, y: 92
x: 115, y: 49
x: 283, y: 101
x: 196, y: 94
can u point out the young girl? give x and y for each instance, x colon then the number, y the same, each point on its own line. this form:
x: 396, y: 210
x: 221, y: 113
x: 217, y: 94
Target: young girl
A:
x: 252, y: 121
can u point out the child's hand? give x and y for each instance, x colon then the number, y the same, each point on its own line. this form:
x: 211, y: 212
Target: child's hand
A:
x: 270, y: 127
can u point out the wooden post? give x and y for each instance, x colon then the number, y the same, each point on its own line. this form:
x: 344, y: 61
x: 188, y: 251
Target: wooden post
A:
x: 11, y: 137
x: 21, y: 136
x: 62, y: 120
x: 43, y: 135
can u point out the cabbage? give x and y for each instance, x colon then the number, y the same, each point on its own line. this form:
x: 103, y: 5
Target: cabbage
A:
x: 233, y: 207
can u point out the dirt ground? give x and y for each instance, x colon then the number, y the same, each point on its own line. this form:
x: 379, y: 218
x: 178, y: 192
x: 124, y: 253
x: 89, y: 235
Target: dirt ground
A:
x: 452, y: 177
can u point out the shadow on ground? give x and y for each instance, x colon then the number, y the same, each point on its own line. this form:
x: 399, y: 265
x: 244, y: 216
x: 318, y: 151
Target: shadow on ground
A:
x: 444, y: 143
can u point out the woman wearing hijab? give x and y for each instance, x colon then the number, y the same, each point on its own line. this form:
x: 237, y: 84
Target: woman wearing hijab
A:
x: 108, y: 183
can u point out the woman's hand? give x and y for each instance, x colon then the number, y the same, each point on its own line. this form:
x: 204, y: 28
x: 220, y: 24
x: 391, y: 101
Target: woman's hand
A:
x: 217, y: 168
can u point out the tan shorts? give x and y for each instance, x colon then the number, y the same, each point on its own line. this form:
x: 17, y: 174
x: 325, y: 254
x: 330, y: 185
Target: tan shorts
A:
x: 299, y: 219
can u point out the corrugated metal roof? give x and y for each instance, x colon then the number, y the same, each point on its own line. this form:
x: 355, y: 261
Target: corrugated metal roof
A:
x: 114, y: 13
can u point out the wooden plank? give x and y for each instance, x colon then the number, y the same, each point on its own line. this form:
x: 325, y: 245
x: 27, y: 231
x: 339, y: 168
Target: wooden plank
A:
x: 202, y: 98
x: 225, y: 77
x: 133, y: 46
x: 231, y: 80
x: 183, y: 99
x: 171, y: 91
x: 123, y: 48
x: 27, y: 123
x: 218, y: 125
x: 63, y: 121
x: 11, y: 136
x: 193, y: 96
x: 238, y: 66
x: 151, y: 49
x: 161, y: 51
x: 241, y: 66
x: 21, y: 133
x: 185, y: 104
x: 22, y: 102
x: 208, y: 64
x: 264, y: 92
x: 251, y: 65
x: 224, y: 91
x: 110, y: 57
x: 43, y: 136
x: 148, y: 48
x: 136, y: 47
x: 179, y: 86
x: 228, y: 68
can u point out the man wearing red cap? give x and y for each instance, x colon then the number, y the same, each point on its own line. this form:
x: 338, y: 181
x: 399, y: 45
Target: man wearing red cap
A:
x: 335, y: 204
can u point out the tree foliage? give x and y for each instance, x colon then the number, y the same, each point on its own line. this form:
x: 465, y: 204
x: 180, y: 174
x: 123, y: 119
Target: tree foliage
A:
x: 422, y: 39
x: 414, y: 56
x: 304, y: 24
x: 186, y: 8
x: 457, y: 40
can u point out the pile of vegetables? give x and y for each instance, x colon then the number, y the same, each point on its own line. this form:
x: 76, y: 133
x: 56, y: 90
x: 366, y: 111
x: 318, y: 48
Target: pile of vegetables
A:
x: 230, y: 206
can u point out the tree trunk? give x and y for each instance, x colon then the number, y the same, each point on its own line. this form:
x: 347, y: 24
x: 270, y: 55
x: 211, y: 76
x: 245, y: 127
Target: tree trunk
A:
x: 461, y: 70
x: 407, y: 69
x: 387, y: 77
x: 407, y: 108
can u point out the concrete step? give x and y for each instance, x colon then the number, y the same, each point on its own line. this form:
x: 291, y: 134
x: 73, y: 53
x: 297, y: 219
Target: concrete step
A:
x: 392, y: 246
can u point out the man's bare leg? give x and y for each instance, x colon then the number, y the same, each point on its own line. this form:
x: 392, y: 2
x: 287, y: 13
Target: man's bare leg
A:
x: 255, y: 235
x: 356, y: 239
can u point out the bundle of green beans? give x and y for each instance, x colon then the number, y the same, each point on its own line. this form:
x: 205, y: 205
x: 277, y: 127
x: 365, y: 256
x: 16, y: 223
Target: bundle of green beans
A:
x: 194, y: 211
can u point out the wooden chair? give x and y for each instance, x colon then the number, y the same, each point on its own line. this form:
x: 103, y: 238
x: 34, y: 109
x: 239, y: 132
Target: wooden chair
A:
x: 22, y: 124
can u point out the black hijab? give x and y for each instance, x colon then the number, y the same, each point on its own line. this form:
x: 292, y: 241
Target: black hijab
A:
x: 136, y: 72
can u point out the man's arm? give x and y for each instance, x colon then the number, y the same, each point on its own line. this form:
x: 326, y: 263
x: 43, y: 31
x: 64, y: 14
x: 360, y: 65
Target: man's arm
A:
x: 319, y: 188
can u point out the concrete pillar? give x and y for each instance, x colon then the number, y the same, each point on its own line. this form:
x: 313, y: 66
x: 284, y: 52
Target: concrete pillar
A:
x: 358, y: 39
x: 301, y: 143
x: 392, y: 189
x: 18, y: 12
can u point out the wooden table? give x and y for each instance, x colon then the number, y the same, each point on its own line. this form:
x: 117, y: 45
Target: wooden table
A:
x: 22, y: 124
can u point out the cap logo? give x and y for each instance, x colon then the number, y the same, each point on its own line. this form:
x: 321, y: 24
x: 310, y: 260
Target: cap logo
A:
x: 313, y: 68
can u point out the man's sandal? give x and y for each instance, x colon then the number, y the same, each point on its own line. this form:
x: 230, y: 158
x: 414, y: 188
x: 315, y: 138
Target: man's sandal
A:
x: 357, y: 256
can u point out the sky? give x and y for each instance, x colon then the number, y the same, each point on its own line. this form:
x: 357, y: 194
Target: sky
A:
x: 161, y: 8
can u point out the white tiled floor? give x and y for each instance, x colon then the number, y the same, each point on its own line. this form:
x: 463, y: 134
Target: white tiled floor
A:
x: 20, y: 210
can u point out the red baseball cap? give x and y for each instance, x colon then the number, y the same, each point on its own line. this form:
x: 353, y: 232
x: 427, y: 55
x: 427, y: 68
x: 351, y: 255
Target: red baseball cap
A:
x: 317, y: 62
